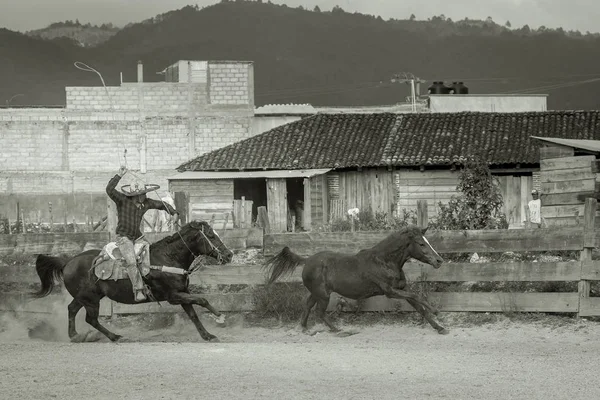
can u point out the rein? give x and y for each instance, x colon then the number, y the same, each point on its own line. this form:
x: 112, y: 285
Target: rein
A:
x: 212, y: 246
x: 212, y: 250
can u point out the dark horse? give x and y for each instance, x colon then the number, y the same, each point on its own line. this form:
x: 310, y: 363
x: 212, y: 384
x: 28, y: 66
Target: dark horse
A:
x: 178, y: 250
x: 371, y: 272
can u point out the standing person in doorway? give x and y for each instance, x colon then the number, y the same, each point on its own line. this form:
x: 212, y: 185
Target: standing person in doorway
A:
x: 534, y: 210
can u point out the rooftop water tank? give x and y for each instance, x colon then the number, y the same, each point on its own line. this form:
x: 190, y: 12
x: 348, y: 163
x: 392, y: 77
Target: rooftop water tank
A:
x: 438, y: 87
x: 459, y: 88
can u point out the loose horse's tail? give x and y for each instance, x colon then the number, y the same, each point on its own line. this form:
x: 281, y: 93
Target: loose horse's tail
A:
x: 283, y: 263
x: 50, y: 270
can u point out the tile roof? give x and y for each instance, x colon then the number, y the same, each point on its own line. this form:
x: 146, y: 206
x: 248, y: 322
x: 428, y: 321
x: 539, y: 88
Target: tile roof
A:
x: 368, y: 140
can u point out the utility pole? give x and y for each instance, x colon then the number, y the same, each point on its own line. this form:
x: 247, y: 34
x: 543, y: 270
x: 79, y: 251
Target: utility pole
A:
x: 415, y: 85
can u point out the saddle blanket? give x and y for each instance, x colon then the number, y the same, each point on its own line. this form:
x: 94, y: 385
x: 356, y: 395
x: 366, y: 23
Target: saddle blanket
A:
x: 108, y: 265
x: 112, y: 250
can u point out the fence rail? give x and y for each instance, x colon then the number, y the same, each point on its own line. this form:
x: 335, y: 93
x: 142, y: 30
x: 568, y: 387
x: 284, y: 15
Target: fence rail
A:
x: 584, y: 270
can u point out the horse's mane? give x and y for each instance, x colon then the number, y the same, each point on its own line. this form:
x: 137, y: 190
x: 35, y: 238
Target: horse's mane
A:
x: 167, y: 241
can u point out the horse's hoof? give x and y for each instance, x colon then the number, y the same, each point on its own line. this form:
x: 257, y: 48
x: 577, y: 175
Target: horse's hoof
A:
x: 220, y: 320
x: 116, y: 338
x: 443, y: 331
x: 79, y: 338
x: 213, y: 339
x: 93, y: 336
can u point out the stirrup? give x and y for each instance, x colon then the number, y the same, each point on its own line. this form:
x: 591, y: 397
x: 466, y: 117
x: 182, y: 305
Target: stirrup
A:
x: 140, y: 296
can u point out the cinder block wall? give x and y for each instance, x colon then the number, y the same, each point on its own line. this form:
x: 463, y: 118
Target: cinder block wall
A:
x: 66, y: 155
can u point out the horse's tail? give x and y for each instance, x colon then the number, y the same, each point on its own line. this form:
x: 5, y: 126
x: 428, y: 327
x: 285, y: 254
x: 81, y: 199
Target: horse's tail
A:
x: 50, y: 270
x: 283, y: 263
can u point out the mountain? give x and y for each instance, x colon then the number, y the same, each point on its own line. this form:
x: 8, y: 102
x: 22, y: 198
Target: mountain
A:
x: 86, y: 35
x: 323, y: 58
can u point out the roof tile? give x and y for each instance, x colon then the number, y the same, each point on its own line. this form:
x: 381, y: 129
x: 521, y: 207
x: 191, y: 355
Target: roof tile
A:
x: 368, y: 140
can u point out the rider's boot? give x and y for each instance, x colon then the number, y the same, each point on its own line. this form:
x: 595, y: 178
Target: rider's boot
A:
x: 136, y: 282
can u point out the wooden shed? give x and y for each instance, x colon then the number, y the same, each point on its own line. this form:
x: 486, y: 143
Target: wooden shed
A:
x: 379, y: 162
x: 232, y: 198
x: 568, y: 169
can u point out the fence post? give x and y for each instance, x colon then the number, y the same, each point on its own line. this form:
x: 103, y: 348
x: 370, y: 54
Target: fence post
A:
x: 422, y: 216
x: 263, y: 219
x: 111, y: 219
x: 589, y: 242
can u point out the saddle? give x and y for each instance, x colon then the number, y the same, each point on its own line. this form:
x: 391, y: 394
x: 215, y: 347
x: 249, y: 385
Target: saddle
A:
x: 110, y: 265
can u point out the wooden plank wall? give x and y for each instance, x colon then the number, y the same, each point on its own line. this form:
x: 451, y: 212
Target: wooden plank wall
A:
x: 562, y: 180
x: 516, y: 192
x: 277, y: 204
x: 371, y: 188
x: 208, y: 199
x: 433, y: 186
x: 242, y: 213
x: 440, y: 185
x: 319, y: 205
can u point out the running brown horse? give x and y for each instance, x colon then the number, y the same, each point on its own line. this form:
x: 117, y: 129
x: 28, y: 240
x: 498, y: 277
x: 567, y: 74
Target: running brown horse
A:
x: 370, y: 272
x: 176, y: 251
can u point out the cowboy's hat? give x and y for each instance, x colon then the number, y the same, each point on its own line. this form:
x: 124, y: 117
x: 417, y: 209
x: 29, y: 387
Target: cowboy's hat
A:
x: 136, y: 190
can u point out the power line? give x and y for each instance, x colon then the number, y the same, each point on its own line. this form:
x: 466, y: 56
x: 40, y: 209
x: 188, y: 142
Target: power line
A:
x: 552, y: 87
x: 368, y: 85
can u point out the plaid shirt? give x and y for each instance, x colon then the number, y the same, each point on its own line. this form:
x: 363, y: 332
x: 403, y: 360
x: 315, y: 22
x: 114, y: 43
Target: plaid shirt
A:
x: 129, y: 213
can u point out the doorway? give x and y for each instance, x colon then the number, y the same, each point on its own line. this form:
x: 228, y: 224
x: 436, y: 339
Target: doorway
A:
x: 295, y: 198
x: 254, y: 189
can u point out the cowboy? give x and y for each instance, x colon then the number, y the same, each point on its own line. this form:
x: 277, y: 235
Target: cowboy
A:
x: 131, y: 206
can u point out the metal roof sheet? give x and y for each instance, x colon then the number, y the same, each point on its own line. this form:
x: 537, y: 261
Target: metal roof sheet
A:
x: 292, y: 173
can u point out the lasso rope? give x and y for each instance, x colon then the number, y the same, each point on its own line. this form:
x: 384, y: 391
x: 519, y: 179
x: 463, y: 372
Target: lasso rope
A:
x: 84, y: 67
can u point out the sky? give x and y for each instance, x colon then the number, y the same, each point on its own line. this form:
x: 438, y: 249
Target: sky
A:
x: 582, y: 15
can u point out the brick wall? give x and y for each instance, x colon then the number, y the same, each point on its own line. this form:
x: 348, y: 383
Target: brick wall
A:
x: 214, y: 133
x: 52, y: 155
x: 231, y: 83
x: 31, y: 140
x: 161, y: 97
x: 99, y: 145
x: 167, y: 141
x: 536, y: 180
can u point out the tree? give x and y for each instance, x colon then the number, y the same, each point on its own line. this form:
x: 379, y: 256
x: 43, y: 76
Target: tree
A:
x: 479, y: 204
x: 507, y: 24
x: 317, y: 9
x: 412, y: 17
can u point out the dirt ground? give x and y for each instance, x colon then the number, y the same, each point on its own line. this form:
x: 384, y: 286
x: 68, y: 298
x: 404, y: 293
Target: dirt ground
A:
x: 490, y: 356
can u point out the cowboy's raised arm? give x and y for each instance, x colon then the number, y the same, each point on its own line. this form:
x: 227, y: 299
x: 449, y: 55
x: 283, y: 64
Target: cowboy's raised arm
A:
x: 111, y: 188
x: 161, y: 205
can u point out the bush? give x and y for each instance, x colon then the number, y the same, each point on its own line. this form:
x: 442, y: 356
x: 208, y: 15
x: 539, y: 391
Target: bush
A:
x: 379, y: 221
x: 479, y: 204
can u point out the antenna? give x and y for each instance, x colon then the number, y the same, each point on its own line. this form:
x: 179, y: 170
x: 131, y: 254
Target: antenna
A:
x: 415, y: 85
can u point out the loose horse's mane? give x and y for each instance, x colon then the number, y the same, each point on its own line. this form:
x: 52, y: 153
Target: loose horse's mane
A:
x: 410, y: 231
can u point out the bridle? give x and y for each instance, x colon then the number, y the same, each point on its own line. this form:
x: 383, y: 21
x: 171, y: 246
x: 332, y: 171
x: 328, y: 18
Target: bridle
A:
x: 213, y: 248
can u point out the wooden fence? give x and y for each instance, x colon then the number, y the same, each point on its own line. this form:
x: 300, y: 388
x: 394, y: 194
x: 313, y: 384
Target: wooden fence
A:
x: 581, y: 239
